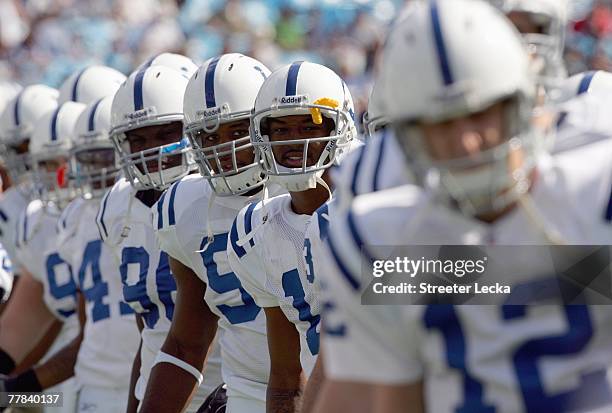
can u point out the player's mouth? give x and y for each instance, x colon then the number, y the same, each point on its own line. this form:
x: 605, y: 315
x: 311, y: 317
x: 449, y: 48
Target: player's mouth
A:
x: 294, y: 158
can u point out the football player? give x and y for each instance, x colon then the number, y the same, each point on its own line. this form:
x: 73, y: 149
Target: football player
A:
x: 90, y: 84
x: 463, y: 117
x: 192, y: 223
x: 6, y: 276
x: 380, y: 163
x: 147, y: 131
x: 582, y: 117
x: 302, y: 124
x: 46, y: 290
x: 542, y: 24
x: 110, y: 335
x: 16, y: 125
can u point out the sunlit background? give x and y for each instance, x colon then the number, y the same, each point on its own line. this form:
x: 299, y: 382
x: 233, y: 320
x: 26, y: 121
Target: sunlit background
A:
x: 45, y: 40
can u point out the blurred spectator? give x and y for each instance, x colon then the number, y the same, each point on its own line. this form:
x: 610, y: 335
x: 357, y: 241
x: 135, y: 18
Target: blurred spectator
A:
x: 45, y: 40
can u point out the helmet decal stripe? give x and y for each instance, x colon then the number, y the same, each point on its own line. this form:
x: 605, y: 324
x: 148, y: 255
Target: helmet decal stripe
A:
x: 585, y: 83
x: 75, y: 86
x: 138, y: 99
x: 16, y: 114
x: 292, y: 76
x: 447, y: 76
x: 91, y: 126
x: 54, y: 124
x: 209, y: 83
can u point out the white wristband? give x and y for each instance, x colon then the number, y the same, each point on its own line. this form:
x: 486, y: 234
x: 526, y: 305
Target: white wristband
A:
x: 167, y: 358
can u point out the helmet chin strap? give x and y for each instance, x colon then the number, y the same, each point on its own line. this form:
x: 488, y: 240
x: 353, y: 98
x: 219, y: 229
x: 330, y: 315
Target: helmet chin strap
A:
x: 551, y: 233
x: 298, y: 182
x: 321, y: 181
x: 210, y: 236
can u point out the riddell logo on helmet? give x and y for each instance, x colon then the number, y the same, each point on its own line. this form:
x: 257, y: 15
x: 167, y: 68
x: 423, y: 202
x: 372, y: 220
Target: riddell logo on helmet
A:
x: 140, y: 114
x: 292, y: 100
x: 209, y: 113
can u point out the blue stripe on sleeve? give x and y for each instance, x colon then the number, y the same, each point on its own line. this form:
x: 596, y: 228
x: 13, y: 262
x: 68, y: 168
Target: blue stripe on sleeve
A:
x: 171, y: 216
x: 240, y: 252
x: 160, y: 211
x: 354, y: 283
x: 379, y: 162
x: 585, y: 83
x: 248, y: 225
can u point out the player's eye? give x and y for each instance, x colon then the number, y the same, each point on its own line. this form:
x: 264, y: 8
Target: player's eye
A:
x: 279, y: 131
x: 240, y: 133
x: 211, y: 138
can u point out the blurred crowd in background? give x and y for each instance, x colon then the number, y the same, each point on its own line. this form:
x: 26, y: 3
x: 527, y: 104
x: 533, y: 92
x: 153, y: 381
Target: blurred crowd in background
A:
x: 45, y: 40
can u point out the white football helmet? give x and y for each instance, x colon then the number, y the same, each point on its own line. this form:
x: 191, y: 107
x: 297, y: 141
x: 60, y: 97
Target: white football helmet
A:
x: 149, y: 97
x: 174, y: 61
x: 598, y: 81
x: 90, y: 84
x: 8, y: 90
x: 51, y: 143
x: 17, y: 124
x: 548, y: 46
x: 303, y: 88
x: 224, y: 90
x: 374, y: 119
x: 93, y: 163
x: 464, y: 56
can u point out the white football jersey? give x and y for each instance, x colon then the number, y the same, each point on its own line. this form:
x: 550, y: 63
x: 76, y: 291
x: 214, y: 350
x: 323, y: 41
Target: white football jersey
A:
x: 378, y: 164
x: 125, y: 224
x: 583, y: 120
x: 475, y: 358
x: 111, y: 336
x: 12, y: 203
x: 36, y: 241
x: 182, y: 217
x: 266, y: 252
x: 6, y: 275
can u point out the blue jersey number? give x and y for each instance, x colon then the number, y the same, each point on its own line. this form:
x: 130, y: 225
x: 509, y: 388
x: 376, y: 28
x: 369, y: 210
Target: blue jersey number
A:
x: 223, y: 283
x: 138, y: 292
x: 99, y: 288
x: 293, y: 288
x: 525, y: 360
x: 60, y: 291
x: 308, y: 257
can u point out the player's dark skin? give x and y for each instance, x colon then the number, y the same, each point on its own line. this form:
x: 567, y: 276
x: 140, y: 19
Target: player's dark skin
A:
x: 98, y: 159
x: 142, y: 139
x: 226, y: 133
x: 285, y: 385
x: 154, y: 136
x: 194, y: 325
